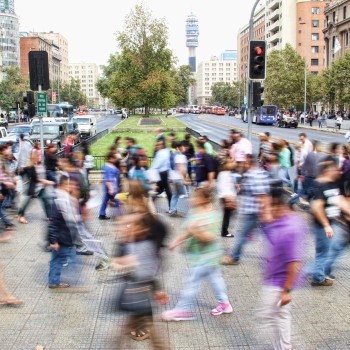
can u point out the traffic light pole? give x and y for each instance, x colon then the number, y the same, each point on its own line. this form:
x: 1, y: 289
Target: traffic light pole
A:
x: 42, y: 146
x: 250, y: 83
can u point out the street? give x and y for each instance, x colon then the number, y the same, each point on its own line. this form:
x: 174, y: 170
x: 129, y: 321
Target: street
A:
x: 217, y: 127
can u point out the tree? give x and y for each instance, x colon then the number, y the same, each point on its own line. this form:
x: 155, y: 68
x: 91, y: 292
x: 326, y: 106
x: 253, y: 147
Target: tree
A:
x: 12, y: 88
x: 284, y: 84
x: 183, y: 79
x: 141, y: 74
x: 314, y: 89
x: 71, y: 92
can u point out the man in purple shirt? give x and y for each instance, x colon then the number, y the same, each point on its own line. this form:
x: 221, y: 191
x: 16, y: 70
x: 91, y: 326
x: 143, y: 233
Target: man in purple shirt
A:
x: 285, y: 234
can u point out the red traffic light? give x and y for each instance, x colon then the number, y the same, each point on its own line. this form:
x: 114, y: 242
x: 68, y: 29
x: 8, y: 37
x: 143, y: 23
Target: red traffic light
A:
x: 259, y: 50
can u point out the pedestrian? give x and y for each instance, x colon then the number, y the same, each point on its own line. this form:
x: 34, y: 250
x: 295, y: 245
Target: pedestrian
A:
x: 68, y: 144
x: 206, y: 167
x: 177, y: 177
x: 111, y: 184
x: 320, y: 121
x: 190, y: 154
x: 339, y: 121
x: 311, y: 118
x: 207, y: 145
x: 50, y: 158
x: 36, y: 174
x: 203, y: 247
x: 240, y: 150
x: 253, y: 195
x: 227, y: 194
x: 63, y: 232
x: 327, y: 206
x: 285, y: 237
x: 6, y: 297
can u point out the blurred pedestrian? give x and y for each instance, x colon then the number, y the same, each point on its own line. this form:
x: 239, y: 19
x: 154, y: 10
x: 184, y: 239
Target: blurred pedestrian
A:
x: 51, y: 162
x: 285, y: 237
x: 204, y: 252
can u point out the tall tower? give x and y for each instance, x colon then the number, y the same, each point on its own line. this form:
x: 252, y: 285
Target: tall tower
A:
x: 9, y: 36
x: 192, y: 34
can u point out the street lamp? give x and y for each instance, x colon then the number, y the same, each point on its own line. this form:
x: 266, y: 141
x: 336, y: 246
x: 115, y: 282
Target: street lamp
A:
x: 305, y: 70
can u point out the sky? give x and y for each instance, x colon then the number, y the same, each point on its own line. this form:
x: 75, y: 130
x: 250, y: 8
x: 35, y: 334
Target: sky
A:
x: 90, y: 26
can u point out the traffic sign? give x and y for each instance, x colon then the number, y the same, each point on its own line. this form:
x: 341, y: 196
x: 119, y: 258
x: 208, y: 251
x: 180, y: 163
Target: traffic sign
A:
x: 41, y: 97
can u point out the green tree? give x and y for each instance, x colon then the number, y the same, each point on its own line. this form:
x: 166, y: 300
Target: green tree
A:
x: 314, y: 88
x: 141, y: 74
x: 12, y: 88
x: 71, y: 92
x: 284, y: 84
x: 183, y: 79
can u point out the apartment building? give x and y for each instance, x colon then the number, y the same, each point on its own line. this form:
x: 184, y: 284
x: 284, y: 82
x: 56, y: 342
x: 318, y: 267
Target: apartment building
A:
x: 336, y: 29
x: 243, y: 40
x: 309, y: 33
x: 211, y: 72
x: 88, y: 75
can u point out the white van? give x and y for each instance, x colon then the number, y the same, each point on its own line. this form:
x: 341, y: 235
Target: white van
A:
x: 87, y: 124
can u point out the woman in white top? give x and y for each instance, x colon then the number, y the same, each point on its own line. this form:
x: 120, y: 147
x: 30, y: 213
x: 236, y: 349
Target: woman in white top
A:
x: 227, y: 194
x: 339, y: 121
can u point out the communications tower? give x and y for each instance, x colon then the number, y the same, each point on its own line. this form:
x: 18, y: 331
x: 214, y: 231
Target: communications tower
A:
x: 192, y: 34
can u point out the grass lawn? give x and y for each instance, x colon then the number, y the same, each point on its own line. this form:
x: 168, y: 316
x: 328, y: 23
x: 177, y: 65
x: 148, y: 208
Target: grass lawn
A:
x: 144, y: 139
x: 133, y: 122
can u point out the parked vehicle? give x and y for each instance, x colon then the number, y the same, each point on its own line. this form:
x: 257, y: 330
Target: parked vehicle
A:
x: 4, y: 122
x: 20, y: 129
x: 87, y: 125
x: 118, y: 112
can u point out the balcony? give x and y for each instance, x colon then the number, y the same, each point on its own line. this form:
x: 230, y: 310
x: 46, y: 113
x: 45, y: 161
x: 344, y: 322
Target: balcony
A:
x: 274, y: 38
x: 274, y: 15
x: 273, y: 5
x: 274, y: 26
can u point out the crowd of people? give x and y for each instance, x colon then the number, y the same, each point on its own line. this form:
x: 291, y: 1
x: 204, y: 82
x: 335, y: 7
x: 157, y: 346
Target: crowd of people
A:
x: 259, y: 187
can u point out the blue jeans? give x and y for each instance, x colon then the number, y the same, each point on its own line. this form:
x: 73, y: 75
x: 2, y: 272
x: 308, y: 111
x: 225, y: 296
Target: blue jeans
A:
x: 323, y: 244
x: 3, y: 215
x: 197, y: 274
x: 175, y: 186
x: 339, y: 243
x: 308, y: 187
x: 58, y: 258
x: 106, y: 198
x: 247, y: 223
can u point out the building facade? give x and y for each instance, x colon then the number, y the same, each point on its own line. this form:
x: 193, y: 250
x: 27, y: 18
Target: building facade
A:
x: 38, y: 43
x: 309, y: 32
x: 336, y: 29
x: 60, y: 42
x: 9, y: 38
x: 88, y: 75
x: 243, y: 41
x: 211, y: 72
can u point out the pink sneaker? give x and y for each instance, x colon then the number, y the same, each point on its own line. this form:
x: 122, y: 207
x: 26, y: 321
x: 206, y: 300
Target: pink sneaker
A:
x: 177, y: 315
x: 222, y: 309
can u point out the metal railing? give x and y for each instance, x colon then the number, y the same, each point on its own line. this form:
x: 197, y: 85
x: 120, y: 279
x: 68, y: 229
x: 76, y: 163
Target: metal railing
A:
x: 89, y: 142
x: 197, y: 134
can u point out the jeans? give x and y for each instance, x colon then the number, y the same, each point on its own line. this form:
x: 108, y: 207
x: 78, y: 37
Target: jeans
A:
x: 177, y: 189
x: 247, y: 223
x: 3, y: 215
x: 44, y: 201
x: 309, y: 186
x: 339, y: 243
x: 225, y: 219
x: 323, y: 244
x: 276, y: 319
x: 51, y: 176
x: 58, y: 258
x: 106, y: 198
x: 197, y: 274
x: 163, y: 185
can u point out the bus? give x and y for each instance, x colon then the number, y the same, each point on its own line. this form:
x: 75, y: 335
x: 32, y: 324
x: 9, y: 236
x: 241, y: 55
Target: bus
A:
x: 63, y: 109
x: 266, y: 114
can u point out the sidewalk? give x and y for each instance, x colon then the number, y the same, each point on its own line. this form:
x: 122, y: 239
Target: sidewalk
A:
x: 75, y: 321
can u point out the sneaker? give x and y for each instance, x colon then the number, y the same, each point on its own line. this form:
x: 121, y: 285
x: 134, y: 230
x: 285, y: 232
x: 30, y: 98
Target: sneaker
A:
x: 325, y: 283
x: 104, y: 217
x: 103, y: 265
x: 173, y: 213
x: 222, y: 309
x: 65, y: 264
x: 330, y: 277
x: 9, y: 226
x: 177, y: 315
x: 85, y: 252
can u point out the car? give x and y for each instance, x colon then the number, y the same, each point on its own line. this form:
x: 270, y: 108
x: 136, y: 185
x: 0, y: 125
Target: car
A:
x: 4, y: 122
x: 287, y: 122
x: 52, y: 133
x: 24, y: 129
x: 118, y: 112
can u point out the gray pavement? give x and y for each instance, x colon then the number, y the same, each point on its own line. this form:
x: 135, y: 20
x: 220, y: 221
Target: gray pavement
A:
x: 72, y: 321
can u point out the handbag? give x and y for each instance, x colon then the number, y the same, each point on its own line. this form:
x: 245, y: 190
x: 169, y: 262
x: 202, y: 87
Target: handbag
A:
x: 136, y: 297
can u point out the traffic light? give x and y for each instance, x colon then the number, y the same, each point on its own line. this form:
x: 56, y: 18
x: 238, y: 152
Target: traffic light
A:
x: 258, y: 94
x: 257, y: 60
x: 31, y: 110
x: 30, y: 96
x: 28, y: 105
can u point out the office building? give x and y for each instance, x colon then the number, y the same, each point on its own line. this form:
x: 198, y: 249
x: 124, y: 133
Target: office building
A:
x: 88, y: 75
x: 211, y: 72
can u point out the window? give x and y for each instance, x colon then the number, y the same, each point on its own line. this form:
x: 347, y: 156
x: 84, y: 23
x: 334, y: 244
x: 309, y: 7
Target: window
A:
x: 315, y: 23
x: 334, y: 17
x: 314, y: 49
x: 315, y: 36
x: 346, y: 39
x: 315, y: 10
x: 344, y: 12
x: 314, y: 62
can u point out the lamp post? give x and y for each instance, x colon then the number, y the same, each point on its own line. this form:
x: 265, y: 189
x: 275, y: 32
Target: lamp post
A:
x: 305, y: 69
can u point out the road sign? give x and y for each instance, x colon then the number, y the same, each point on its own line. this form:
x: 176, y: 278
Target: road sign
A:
x: 41, y: 97
x: 53, y: 98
